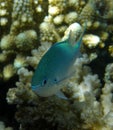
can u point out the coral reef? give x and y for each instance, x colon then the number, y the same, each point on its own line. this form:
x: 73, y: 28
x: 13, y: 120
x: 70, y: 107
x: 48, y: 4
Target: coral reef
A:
x: 39, y: 110
x: 2, y: 126
x: 84, y: 108
x: 28, y: 28
x: 91, y: 41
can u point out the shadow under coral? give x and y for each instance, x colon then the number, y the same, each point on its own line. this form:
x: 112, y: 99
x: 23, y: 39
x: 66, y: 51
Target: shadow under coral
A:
x: 7, y: 112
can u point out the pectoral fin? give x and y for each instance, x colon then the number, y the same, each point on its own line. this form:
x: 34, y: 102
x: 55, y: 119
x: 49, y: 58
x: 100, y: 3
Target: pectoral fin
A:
x: 61, y: 95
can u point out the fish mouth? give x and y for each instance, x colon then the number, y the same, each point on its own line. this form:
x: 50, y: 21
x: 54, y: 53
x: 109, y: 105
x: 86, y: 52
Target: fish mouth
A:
x: 34, y: 87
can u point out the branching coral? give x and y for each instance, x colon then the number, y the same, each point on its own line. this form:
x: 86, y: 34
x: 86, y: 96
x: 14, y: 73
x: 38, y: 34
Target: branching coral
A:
x: 91, y: 41
x: 36, y: 112
x: 88, y: 12
x: 101, y: 109
x: 28, y: 29
x: 5, y: 7
x: 2, y: 126
x: 108, y: 9
x: 21, y: 35
x: 82, y: 108
x: 24, y: 14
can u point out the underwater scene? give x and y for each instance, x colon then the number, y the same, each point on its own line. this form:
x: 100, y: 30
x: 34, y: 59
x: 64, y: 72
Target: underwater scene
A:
x: 56, y: 65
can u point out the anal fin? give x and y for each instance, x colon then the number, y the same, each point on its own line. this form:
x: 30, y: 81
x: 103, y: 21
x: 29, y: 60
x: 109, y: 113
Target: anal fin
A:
x: 61, y: 95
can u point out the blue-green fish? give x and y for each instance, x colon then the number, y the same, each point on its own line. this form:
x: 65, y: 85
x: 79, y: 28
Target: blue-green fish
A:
x: 55, y: 66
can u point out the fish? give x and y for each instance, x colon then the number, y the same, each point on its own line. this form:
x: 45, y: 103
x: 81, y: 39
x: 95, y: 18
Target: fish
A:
x: 55, y: 66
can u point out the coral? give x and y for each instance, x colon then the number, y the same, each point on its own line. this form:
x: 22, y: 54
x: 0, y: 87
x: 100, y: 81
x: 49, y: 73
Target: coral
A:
x: 37, y: 54
x: 5, y: 7
x: 58, y: 19
x: 19, y: 61
x: 28, y: 28
x: 82, y: 108
x: 71, y: 17
x: 26, y: 40
x: 55, y: 7
x: 110, y: 49
x: 83, y: 89
x: 48, y: 32
x: 37, y: 109
x: 8, y: 72
x: 7, y: 42
x: 88, y: 13
x: 2, y: 126
x: 23, y: 14
x: 97, y: 114
x: 91, y: 41
x: 108, y: 9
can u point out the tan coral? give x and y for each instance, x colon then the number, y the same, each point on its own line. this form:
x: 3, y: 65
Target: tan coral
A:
x: 106, y: 98
x: 7, y: 42
x: 91, y: 40
x: 38, y: 110
x: 86, y: 87
x: 3, y: 21
x: 96, y: 24
x: 37, y: 54
x: 25, y: 75
x: 6, y: 56
x: 73, y: 3
x: 53, y: 10
x: 88, y: 12
x: 5, y: 6
x: 110, y: 49
x: 89, y: 109
x: 3, y: 57
x: 19, y: 61
x: 8, y: 72
x: 26, y: 40
x: 108, y: 9
x: 48, y: 32
x: 26, y: 15
x: 37, y: 106
x: 104, y: 35
x: 71, y: 17
x: 58, y: 19
x: 3, y: 127
x: 109, y: 73
x: 85, y: 108
x: 83, y: 80
x: 58, y: 4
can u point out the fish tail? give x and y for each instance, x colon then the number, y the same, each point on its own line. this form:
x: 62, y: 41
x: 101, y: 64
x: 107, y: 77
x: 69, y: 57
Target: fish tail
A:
x: 79, y: 40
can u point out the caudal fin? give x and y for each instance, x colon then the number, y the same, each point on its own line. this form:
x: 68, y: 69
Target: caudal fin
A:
x: 79, y: 40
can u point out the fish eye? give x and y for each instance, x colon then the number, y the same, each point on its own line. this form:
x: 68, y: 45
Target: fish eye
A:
x: 44, y: 82
x: 55, y: 80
